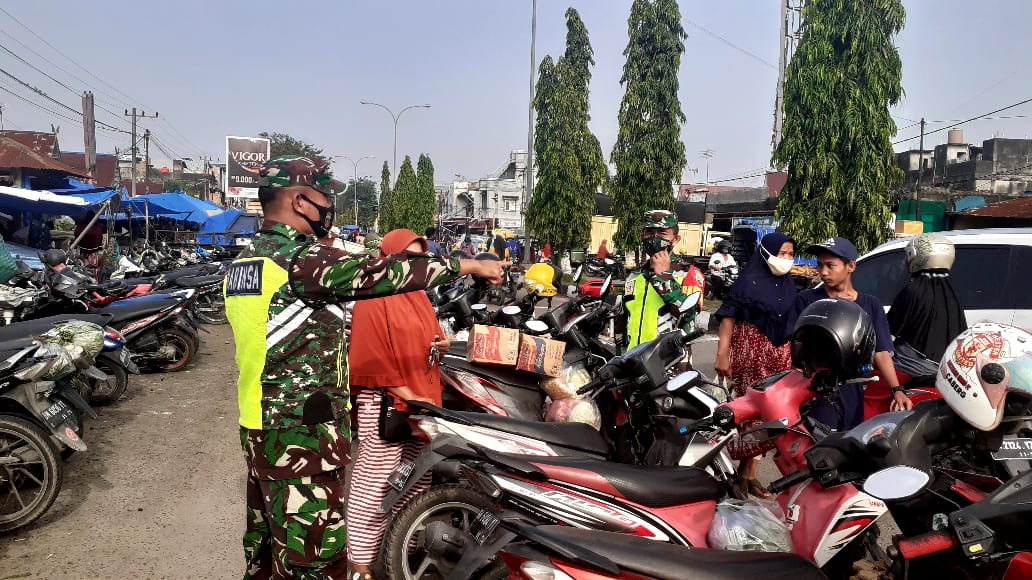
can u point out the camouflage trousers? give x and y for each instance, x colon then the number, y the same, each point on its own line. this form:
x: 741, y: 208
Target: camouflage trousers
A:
x: 295, y: 525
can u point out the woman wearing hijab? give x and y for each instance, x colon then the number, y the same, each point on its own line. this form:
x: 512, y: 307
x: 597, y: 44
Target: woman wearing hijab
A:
x: 399, y: 342
x: 752, y: 336
x: 926, y: 312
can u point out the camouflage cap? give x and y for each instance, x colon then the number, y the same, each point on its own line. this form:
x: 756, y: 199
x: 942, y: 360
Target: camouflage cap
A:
x: 659, y: 218
x: 292, y: 170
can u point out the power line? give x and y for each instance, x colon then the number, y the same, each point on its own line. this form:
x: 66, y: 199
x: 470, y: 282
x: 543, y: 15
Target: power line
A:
x: 55, y: 101
x: 965, y: 121
x: 734, y: 46
x: 37, y: 105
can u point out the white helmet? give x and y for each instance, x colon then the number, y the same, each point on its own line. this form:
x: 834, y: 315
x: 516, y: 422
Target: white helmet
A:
x: 980, y: 367
x: 929, y: 252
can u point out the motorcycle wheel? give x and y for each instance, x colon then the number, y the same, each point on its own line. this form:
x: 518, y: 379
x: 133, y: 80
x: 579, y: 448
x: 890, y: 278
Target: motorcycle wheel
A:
x: 179, y: 349
x: 30, y: 473
x: 454, y: 503
x: 211, y: 309
x: 111, y: 390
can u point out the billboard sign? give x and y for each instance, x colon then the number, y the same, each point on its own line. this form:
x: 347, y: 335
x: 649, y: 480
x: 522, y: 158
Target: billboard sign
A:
x: 244, y: 158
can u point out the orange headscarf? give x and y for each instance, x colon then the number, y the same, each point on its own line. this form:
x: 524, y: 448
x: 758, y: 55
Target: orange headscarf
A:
x: 391, y: 336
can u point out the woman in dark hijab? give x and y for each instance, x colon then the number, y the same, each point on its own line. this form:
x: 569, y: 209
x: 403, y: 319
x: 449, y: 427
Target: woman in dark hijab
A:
x: 926, y: 313
x: 752, y: 336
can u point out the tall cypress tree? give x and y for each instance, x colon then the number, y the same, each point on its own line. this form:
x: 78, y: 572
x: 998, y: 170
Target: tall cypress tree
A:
x: 385, y: 204
x: 425, y: 202
x: 648, y: 154
x: 403, y: 199
x: 569, y: 157
x: 836, y: 142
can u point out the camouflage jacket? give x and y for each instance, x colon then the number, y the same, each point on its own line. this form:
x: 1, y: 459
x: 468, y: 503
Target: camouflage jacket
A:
x: 282, y: 294
x: 651, y: 302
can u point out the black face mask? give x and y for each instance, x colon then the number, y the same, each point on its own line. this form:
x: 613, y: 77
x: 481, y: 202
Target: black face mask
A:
x: 656, y: 244
x: 322, y: 227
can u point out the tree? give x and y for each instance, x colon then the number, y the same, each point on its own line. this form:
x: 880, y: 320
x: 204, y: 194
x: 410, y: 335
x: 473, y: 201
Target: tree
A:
x: 569, y: 158
x: 366, y: 203
x: 402, y: 208
x: 836, y: 138
x: 425, y: 202
x: 385, y: 197
x: 284, y: 144
x: 648, y: 154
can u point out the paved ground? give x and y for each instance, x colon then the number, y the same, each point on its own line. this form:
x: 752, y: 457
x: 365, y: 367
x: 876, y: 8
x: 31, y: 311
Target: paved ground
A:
x: 159, y: 493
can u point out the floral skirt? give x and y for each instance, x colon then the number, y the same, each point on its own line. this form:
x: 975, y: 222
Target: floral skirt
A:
x: 753, y: 357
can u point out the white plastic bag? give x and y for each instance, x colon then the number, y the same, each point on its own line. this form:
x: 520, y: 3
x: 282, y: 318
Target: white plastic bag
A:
x: 749, y: 526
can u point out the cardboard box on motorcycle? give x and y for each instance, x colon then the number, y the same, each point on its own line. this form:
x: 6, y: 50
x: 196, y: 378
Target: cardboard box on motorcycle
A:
x: 541, y: 355
x: 493, y: 345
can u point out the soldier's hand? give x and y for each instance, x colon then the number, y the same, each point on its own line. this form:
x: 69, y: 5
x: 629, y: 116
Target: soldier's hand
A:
x: 661, y: 262
x: 489, y: 270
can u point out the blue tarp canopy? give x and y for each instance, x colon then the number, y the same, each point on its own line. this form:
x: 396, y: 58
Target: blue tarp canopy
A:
x: 231, y: 220
x: 176, y: 205
x: 75, y: 205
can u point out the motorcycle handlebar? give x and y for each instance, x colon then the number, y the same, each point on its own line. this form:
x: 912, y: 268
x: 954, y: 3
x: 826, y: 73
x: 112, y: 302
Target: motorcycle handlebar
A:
x: 789, y: 480
x: 925, y: 544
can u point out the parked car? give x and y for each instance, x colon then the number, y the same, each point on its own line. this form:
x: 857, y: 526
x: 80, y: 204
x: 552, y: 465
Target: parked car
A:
x: 991, y: 274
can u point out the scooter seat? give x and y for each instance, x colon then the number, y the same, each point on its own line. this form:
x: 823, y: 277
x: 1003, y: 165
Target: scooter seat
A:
x: 668, y: 561
x: 136, y: 307
x: 571, y: 435
x: 198, y: 281
x: 660, y: 486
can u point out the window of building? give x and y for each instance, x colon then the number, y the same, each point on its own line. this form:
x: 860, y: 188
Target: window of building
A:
x: 510, y: 203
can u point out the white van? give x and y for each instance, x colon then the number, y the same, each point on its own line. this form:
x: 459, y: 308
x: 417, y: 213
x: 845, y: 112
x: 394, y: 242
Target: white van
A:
x: 992, y: 274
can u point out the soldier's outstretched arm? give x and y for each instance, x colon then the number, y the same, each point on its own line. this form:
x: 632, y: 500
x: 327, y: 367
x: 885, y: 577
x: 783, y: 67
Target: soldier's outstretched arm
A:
x: 327, y: 273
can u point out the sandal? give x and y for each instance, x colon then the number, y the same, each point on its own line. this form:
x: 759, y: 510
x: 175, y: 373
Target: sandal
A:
x: 757, y: 489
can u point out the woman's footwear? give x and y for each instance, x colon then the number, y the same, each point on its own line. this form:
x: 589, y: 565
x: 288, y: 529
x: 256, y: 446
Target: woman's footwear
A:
x: 757, y: 489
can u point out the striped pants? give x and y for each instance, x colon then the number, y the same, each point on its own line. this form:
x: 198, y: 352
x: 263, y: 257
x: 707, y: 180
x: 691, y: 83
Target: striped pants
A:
x: 376, y: 460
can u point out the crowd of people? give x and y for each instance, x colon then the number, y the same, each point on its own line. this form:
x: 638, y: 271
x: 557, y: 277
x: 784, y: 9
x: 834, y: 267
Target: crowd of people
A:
x: 297, y: 377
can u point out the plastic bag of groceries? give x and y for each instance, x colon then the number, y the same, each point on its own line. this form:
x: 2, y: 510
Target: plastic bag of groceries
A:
x: 572, y: 377
x: 80, y: 341
x: 574, y: 410
x: 64, y: 364
x: 749, y: 526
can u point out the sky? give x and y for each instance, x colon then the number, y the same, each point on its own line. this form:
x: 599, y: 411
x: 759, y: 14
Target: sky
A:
x: 212, y: 69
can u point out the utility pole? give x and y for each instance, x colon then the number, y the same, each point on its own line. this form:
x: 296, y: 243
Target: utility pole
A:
x: 920, y: 170
x: 529, y: 186
x: 146, y: 155
x: 89, y: 134
x: 133, y: 150
x: 707, y: 153
x: 2, y: 107
x: 207, y: 177
x: 791, y: 31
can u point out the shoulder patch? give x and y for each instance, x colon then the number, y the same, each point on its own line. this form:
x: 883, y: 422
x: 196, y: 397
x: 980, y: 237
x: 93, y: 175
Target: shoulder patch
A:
x: 244, y: 278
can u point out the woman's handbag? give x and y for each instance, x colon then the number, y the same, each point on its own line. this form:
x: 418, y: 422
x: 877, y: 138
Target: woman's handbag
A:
x: 393, y: 426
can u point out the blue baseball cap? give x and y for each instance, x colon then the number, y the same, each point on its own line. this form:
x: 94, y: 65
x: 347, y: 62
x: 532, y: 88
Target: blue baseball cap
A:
x: 840, y: 247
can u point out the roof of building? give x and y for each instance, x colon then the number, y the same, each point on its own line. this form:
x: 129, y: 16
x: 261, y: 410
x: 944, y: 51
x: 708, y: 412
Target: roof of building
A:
x: 42, y: 143
x: 1020, y: 207
x: 16, y: 154
x: 105, y: 170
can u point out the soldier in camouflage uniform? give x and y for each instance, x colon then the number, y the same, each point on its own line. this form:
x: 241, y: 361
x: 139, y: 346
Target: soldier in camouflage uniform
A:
x: 282, y: 294
x: 654, y: 293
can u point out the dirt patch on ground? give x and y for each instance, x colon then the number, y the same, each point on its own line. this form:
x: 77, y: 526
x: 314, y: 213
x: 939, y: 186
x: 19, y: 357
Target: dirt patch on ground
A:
x: 159, y: 492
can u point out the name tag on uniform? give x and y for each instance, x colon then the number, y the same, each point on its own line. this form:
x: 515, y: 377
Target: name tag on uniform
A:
x: 244, y: 278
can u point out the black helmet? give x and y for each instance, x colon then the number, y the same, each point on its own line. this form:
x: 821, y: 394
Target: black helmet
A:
x: 54, y: 257
x: 835, y: 336
x: 486, y: 256
x: 723, y: 246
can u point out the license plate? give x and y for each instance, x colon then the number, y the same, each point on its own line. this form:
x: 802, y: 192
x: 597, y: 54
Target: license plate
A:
x: 400, y: 475
x: 483, y: 526
x: 1014, y: 448
x: 58, y: 412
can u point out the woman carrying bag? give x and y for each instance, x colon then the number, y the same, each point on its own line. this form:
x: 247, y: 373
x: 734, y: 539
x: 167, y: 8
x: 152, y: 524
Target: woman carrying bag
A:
x: 396, y: 344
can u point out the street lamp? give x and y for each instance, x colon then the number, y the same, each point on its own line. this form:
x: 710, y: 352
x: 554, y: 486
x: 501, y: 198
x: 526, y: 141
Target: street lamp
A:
x: 396, y: 117
x: 354, y: 165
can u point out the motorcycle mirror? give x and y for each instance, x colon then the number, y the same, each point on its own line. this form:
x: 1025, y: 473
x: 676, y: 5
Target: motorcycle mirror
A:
x: 511, y: 310
x: 690, y: 302
x: 896, y: 482
x: 609, y: 261
x: 535, y: 326
x: 606, y: 285
x: 681, y: 380
x: 479, y: 306
x: 577, y: 273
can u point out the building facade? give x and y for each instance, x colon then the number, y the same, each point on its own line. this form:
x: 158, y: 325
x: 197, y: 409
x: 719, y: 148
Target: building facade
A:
x: 999, y: 166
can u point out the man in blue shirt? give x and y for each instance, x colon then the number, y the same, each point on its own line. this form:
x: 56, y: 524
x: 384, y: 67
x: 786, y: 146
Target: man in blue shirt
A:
x: 836, y: 261
x: 433, y: 246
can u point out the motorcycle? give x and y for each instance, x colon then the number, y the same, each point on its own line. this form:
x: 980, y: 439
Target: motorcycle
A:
x: 718, y: 282
x: 158, y: 328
